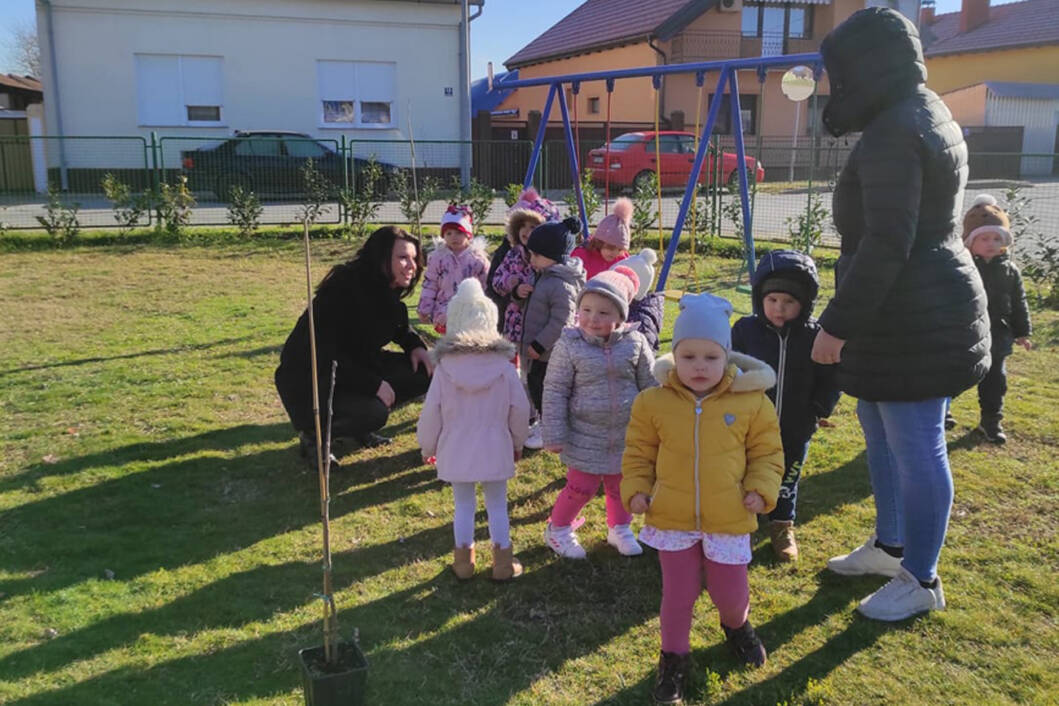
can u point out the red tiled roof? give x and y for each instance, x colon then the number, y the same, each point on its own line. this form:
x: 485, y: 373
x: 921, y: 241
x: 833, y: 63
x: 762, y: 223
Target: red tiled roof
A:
x: 26, y: 83
x: 1012, y: 25
x: 596, y: 24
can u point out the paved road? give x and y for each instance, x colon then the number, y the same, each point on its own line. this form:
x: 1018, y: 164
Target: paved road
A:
x: 770, y: 211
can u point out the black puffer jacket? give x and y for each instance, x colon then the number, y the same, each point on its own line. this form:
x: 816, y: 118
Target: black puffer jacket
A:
x: 909, y: 301
x: 354, y: 317
x: 805, y: 391
x: 649, y: 313
x: 1009, y: 316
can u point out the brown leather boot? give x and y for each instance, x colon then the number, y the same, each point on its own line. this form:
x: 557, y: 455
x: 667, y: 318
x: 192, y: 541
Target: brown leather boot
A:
x: 463, y: 562
x: 505, y: 565
x: 783, y: 544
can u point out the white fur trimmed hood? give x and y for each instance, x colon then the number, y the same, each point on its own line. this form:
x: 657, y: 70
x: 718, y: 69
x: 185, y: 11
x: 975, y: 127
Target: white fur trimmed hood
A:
x: 751, y: 373
x: 473, y: 342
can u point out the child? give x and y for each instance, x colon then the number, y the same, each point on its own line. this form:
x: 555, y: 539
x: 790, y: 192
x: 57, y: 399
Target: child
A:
x: 531, y: 208
x: 702, y: 458
x: 474, y: 420
x: 610, y: 243
x: 781, y: 333
x: 595, y: 371
x: 987, y: 234
x: 455, y: 259
x: 551, y: 304
x: 648, y: 309
x: 513, y: 278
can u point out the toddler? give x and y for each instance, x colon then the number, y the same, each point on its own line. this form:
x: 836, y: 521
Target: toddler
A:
x: 474, y: 421
x: 595, y: 371
x: 455, y: 259
x: 513, y: 278
x: 702, y: 458
x: 987, y: 234
x: 647, y: 309
x: 550, y: 307
x: 781, y: 333
x: 610, y: 242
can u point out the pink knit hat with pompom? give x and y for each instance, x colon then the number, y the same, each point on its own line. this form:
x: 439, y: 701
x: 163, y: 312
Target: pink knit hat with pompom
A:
x: 618, y: 284
x: 614, y: 229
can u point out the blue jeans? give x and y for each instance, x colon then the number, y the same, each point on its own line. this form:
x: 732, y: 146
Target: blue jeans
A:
x: 910, y: 478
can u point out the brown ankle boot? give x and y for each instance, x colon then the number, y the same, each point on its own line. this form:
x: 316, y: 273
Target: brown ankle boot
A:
x: 783, y: 544
x: 463, y: 562
x: 505, y: 565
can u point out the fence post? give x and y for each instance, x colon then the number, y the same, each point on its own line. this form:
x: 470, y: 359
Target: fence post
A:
x: 156, y: 176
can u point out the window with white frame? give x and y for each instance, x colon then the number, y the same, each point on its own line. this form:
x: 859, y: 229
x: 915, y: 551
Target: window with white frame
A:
x: 172, y: 89
x: 357, y: 93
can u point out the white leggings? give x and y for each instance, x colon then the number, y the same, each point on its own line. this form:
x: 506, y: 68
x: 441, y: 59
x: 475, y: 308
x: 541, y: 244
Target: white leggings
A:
x: 495, y: 507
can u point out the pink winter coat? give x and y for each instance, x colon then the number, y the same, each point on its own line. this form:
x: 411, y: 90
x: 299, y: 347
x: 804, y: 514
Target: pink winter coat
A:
x: 594, y: 262
x: 476, y: 415
x: 445, y: 270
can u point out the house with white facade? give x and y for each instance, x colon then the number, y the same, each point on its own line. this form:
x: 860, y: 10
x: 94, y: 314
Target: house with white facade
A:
x: 362, y: 69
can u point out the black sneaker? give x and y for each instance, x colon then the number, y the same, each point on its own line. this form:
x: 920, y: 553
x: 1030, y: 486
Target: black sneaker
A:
x: 372, y: 440
x: 745, y: 643
x: 672, y: 675
x: 992, y: 431
x: 950, y: 421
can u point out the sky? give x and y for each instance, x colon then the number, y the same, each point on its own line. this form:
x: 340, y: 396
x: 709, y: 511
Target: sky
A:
x: 504, y: 27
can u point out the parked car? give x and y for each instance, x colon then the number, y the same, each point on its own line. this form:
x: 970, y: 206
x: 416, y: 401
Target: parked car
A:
x: 632, y: 160
x: 267, y: 162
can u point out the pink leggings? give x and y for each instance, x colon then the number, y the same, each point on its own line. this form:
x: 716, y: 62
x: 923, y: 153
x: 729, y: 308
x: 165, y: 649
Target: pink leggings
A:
x: 683, y: 575
x: 580, y: 488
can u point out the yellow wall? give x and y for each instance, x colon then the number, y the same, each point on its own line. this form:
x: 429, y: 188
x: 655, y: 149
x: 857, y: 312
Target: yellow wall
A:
x: 967, y: 105
x: 1028, y: 65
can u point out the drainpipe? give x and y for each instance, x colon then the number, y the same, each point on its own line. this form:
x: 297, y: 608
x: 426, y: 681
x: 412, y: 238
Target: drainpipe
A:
x: 63, y: 181
x: 465, y: 90
x: 662, y: 91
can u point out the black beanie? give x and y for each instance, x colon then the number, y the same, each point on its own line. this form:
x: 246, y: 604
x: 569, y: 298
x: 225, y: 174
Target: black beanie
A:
x: 554, y: 240
x: 788, y: 285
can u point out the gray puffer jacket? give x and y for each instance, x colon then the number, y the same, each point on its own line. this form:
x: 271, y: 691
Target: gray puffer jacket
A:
x: 588, y: 394
x: 551, y: 306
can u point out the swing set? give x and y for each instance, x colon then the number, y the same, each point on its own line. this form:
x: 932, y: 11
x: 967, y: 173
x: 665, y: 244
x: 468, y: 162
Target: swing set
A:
x: 727, y: 78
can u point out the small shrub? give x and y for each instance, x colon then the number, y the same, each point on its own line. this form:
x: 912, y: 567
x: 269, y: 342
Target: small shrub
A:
x: 591, y: 196
x: 360, y: 203
x: 60, y: 219
x: 511, y: 194
x: 244, y: 210
x: 644, y: 213
x: 478, y: 198
x: 806, y: 230
x: 174, y: 204
x: 129, y: 208
x: 413, y: 204
x: 1039, y: 253
x: 733, y: 211
x: 317, y: 190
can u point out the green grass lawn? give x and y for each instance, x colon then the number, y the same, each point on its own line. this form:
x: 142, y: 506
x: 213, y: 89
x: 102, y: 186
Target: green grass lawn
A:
x: 159, y: 538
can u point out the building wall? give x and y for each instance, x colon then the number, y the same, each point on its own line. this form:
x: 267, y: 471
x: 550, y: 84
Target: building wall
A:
x: 967, y: 105
x: 1038, y: 119
x: 269, y: 49
x: 1027, y: 65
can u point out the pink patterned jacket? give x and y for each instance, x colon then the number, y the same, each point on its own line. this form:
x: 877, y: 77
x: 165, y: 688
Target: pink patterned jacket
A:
x: 513, y: 270
x: 445, y: 270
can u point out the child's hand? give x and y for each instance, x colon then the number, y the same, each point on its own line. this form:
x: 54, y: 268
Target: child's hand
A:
x: 754, y: 502
x: 386, y: 394
x: 532, y: 353
x: 1024, y: 342
x: 554, y: 448
x: 425, y: 318
x: 429, y: 460
x: 524, y: 290
x: 825, y: 422
x: 639, y: 503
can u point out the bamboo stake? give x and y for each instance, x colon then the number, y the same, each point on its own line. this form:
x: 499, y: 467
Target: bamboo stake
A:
x: 323, y: 458
x: 415, y: 183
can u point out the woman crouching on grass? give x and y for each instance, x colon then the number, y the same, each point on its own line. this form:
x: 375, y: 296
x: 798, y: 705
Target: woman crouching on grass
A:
x: 358, y: 310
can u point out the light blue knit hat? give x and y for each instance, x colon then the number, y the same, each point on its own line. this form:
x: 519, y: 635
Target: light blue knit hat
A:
x: 704, y: 316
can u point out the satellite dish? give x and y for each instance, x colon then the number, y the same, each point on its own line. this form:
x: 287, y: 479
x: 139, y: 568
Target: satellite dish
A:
x: 798, y: 83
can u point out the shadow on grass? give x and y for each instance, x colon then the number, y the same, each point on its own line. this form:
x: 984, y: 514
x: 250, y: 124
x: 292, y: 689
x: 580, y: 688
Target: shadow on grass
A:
x: 822, y: 493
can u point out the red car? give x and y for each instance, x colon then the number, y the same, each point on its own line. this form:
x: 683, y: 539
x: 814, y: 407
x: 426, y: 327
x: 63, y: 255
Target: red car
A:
x: 632, y: 159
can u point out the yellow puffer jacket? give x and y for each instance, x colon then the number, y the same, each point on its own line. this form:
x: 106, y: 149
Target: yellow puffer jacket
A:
x: 696, y: 459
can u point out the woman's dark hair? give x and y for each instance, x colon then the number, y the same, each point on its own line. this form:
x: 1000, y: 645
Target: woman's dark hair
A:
x: 374, y: 261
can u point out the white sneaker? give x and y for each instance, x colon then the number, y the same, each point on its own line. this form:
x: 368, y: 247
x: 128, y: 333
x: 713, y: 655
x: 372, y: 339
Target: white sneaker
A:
x: 865, y: 559
x: 534, y: 440
x: 622, y: 538
x: 902, y: 597
x: 563, y: 541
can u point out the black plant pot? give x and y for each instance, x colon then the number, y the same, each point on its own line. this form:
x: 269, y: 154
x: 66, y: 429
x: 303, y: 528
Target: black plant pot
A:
x: 340, y: 684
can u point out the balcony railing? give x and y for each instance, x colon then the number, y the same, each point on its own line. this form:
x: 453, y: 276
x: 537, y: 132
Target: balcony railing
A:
x: 700, y: 45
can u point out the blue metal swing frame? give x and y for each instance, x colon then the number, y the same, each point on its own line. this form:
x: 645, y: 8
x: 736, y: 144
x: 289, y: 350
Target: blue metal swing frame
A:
x: 727, y: 78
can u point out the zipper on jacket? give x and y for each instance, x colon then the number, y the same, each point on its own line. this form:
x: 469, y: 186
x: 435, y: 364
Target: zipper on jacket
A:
x: 613, y: 401
x: 698, y: 501
x: 779, y: 374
